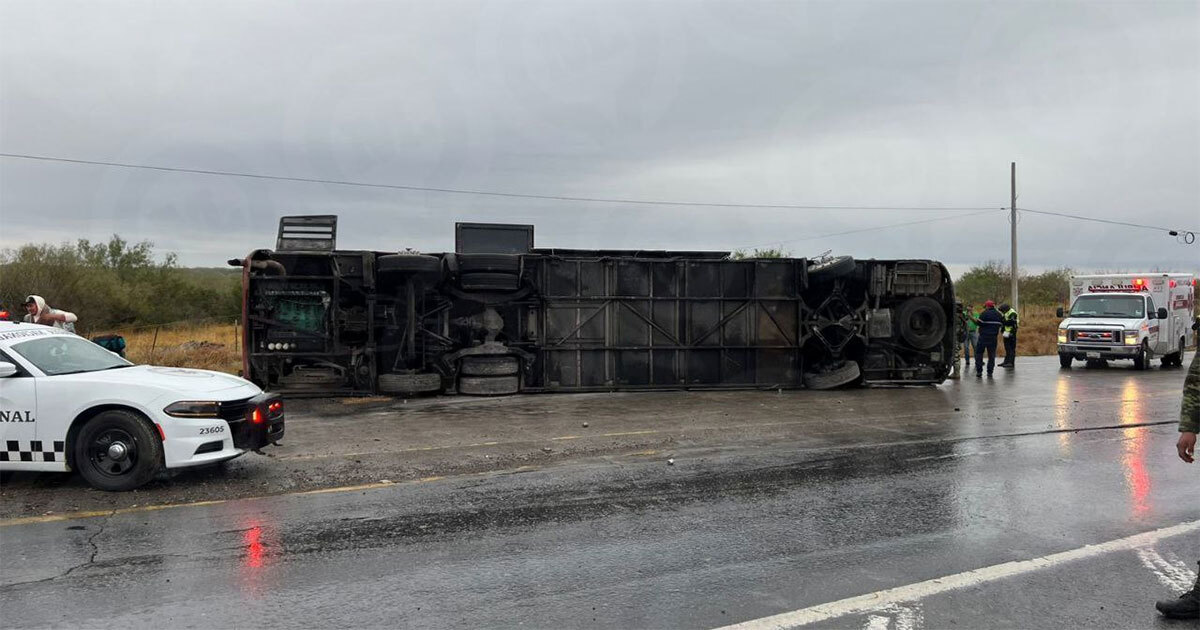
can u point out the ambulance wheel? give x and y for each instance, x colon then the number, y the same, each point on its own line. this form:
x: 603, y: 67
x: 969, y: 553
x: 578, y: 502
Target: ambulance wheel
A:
x: 1065, y: 360
x: 1141, y: 361
x: 118, y: 450
x: 1175, y: 359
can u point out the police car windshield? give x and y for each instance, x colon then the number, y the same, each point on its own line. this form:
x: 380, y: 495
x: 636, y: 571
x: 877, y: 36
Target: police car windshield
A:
x: 1122, y: 306
x: 67, y: 354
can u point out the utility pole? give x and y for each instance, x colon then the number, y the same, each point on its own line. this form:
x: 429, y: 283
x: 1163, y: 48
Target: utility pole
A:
x: 1012, y: 218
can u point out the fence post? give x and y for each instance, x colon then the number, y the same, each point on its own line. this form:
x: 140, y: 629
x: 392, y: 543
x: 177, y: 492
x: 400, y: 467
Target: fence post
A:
x: 235, y: 336
x: 153, y: 344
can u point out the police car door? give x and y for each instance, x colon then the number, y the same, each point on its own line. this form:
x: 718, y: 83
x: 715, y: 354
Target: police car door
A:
x: 19, y: 446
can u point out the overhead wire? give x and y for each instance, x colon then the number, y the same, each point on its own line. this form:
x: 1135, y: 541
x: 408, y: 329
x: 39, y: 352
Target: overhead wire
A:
x: 969, y: 210
x: 1108, y: 221
x: 872, y: 229
x: 489, y: 193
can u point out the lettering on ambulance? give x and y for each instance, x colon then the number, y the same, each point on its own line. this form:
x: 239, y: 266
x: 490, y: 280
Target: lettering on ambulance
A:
x: 17, y: 416
x: 1117, y: 288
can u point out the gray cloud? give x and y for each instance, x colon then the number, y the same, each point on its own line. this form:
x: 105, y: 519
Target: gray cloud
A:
x: 901, y: 104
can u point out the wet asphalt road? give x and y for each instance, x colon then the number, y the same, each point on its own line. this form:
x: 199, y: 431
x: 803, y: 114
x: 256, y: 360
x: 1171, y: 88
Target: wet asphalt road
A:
x: 842, y: 501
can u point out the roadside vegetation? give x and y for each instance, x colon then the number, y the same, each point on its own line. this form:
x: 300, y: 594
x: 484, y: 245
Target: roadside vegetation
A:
x: 116, y: 284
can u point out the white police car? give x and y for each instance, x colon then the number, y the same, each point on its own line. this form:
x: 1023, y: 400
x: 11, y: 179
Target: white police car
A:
x: 68, y: 404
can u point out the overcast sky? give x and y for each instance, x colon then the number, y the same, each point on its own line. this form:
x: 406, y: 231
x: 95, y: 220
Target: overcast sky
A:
x: 829, y: 103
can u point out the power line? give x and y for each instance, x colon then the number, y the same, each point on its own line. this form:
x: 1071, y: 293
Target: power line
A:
x: 488, y: 193
x: 873, y: 229
x: 1109, y: 221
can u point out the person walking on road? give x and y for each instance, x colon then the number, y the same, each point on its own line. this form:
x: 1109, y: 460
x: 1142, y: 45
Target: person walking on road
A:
x: 1187, y: 606
x: 990, y: 322
x: 1010, y: 336
x: 38, y: 312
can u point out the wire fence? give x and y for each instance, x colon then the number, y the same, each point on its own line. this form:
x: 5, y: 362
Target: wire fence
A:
x: 210, y: 342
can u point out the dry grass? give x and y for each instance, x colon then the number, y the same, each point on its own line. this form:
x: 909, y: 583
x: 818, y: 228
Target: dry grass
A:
x: 1039, y: 331
x: 209, y: 346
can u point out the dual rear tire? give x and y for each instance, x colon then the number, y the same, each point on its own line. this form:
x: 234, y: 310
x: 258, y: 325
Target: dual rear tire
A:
x: 489, y: 375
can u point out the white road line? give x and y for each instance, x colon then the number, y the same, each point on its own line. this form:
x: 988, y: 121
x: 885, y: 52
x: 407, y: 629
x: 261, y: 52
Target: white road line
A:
x: 905, y: 617
x: 920, y: 590
x: 1186, y: 567
x: 909, y: 617
x: 1174, y: 576
x: 877, y: 622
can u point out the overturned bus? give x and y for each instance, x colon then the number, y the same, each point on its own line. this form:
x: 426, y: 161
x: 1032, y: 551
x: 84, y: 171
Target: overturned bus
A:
x: 500, y: 316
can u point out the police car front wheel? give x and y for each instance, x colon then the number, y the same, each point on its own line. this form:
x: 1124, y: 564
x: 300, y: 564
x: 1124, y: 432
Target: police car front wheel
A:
x: 118, y: 450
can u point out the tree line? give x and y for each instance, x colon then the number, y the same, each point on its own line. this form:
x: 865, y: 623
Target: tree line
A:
x: 116, y: 284
x: 993, y: 281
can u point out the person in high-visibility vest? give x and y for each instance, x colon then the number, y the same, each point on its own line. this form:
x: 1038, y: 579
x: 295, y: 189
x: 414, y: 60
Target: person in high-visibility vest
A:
x: 1010, y: 336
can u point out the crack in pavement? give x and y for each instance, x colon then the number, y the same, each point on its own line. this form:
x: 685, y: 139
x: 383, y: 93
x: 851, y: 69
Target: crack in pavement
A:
x: 91, y: 541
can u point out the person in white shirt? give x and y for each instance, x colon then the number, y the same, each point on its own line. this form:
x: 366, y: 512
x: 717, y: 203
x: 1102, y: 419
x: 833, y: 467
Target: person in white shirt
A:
x: 38, y: 312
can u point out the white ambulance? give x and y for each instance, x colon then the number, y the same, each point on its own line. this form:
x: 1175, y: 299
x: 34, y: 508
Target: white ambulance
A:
x: 68, y: 404
x: 1138, y: 316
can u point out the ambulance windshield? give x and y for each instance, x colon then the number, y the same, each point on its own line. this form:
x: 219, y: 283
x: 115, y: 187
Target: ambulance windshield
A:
x: 1121, y: 306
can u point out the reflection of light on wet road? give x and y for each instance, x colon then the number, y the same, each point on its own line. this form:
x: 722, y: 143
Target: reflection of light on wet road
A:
x: 254, y: 547
x: 1133, y: 411
x: 1062, y: 413
x: 255, y: 562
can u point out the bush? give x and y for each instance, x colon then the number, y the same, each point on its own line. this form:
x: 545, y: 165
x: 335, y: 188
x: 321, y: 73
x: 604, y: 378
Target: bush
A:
x: 992, y: 281
x: 116, y: 284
